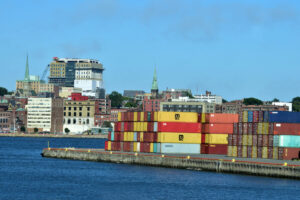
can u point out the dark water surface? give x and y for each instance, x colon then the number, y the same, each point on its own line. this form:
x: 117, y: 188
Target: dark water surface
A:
x: 24, y: 174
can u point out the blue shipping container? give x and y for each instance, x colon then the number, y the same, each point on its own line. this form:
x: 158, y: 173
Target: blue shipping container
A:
x: 112, y: 136
x: 250, y: 116
x: 155, y: 127
x: 135, y: 136
x: 180, y: 148
x: 292, y: 141
x: 157, y: 147
x: 154, y: 147
x: 284, y: 117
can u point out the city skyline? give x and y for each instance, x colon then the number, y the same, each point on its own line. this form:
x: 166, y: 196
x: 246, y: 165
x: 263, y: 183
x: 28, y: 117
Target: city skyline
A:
x: 235, y: 49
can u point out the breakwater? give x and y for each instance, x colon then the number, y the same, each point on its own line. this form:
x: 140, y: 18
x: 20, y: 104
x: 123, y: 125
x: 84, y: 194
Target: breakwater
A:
x: 218, y: 164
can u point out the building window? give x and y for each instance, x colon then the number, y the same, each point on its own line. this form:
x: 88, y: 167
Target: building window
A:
x: 88, y: 108
x: 74, y: 114
x: 88, y: 114
x: 69, y: 121
x: 75, y: 108
x: 69, y: 113
x: 74, y: 121
x: 64, y: 113
x: 69, y: 108
x: 80, y: 108
x: 80, y: 114
x: 88, y: 121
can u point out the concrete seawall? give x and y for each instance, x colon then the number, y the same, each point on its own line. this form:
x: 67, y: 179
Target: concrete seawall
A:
x: 282, y: 170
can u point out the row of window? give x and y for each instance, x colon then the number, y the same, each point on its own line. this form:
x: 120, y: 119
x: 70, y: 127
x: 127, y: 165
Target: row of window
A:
x: 75, y: 108
x: 75, y: 114
x: 74, y: 121
x: 3, y: 120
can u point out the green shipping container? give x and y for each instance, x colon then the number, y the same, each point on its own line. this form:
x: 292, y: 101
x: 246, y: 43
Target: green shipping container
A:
x: 288, y: 141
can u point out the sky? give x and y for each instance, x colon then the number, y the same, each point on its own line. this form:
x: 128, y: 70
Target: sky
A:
x: 236, y: 49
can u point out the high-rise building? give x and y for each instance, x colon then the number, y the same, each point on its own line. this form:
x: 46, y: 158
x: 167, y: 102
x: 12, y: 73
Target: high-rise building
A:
x: 79, y: 73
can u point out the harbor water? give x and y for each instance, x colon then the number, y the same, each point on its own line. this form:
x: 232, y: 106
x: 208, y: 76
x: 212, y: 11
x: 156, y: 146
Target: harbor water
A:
x: 24, y: 174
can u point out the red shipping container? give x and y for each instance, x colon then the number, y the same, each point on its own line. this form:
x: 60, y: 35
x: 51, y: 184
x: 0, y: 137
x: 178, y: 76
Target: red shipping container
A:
x: 106, y: 145
x: 239, y: 151
x: 240, y: 116
x: 220, y: 149
x: 286, y: 129
x: 260, y: 116
x: 265, y: 139
x: 222, y: 118
x: 240, y: 129
x: 127, y: 146
x: 125, y: 126
x: 271, y: 128
x: 179, y: 127
x: 259, y: 140
x: 245, y: 128
x: 234, y: 140
x: 254, y: 128
x: 270, y: 152
x: 150, y: 126
x: 138, y: 136
x: 152, y: 116
x: 290, y: 153
x: 150, y: 137
x: 254, y: 140
x: 122, y: 136
x: 109, y: 136
x: 117, y: 136
x: 249, y: 151
x: 229, y: 138
x: 218, y: 128
x: 280, y: 153
x: 145, y: 147
x: 139, y: 116
x: 203, y: 138
x: 259, y: 152
x: 255, y: 116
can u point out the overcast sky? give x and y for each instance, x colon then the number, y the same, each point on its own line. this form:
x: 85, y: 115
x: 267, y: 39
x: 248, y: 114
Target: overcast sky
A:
x: 235, y: 49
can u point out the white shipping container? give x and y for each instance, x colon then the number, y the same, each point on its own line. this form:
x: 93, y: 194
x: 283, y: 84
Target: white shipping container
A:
x: 180, y: 148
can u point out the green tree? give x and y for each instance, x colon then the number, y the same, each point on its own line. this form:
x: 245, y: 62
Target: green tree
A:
x: 116, y: 99
x: 131, y: 104
x: 22, y: 129
x: 252, y: 101
x: 224, y: 101
x: 107, y: 124
x: 275, y: 100
x: 3, y: 91
x: 67, y: 131
x: 296, y: 104
x: 36, y: 130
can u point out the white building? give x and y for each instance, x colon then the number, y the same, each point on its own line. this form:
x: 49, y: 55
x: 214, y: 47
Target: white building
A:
x: 88, y: 76
x: 208, y: 97
x: 289, y: 105
x: 39, y: 113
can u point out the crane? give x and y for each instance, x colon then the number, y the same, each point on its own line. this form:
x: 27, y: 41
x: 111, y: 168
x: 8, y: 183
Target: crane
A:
x: 45, y: 73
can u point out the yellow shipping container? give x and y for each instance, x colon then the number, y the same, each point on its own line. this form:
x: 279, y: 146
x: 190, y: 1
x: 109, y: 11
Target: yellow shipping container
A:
x: 177, y: 117
x: 142, y: 116
x: 250, y: 141
x: 244, y: 151
x: 131, y: 136
x: 135, y: 146
x: 229, y: 151
x: 135, y: 116
x: 145, y: 126
x: 109, y: 145
x: 216, y: 138
x: 151, y: 147
x: 203, y: 118
x: 260, y: 128
x: 265, y: 152
x: 254, y: 152
x: 119, y: 116
x: 245, y: 116
x: 245, y: 140
x: 141, y: 136
x: 234, y: 151
x: 125, y: 136
x: 134, y: 126
x: 275, y: 153
x: 155, y: 116
x: 186, y: 138
x: 265, y: 128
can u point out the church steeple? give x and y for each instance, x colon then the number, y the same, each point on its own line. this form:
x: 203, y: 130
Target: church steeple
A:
x: 27, y: 70
x: 154, y: 89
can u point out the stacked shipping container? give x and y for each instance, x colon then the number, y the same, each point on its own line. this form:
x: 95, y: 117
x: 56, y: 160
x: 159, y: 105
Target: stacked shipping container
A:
x: 259, y: 135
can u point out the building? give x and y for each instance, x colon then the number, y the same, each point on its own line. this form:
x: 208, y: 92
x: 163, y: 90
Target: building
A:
x: 175, y: 93
x: 188, y: 106
x: 114, y: 113
x: 152, y: 103
x: 29, y: 86
x: 5, y: 121
x: 102, y: 111
x: 49, y: 88
x: 208, y: 97
x: 289, y: 105
x: 78, y: 115
x: 133, y: 93
x: 65, y: 92
x: 45, y: 114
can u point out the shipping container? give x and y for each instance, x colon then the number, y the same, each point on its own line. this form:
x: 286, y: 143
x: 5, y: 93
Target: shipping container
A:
x: 275, y: 153
x: 249, y: 151
x: 230, y: 140
x: 180, y: 148
x: 234, y: 140
x: 244, y: 151
x: 229, y: 151
x: 240, y: 140
x: 291, y: 153
x: 292, y: 141
x: 240, y: 128
x: 179, y: 127
x: 265, y: 152
x: 265, y: 141
x: 216, y: 138
x: 245, y: 128
x: 254, y: 152
x: 259, y: 152
x: 249, y: 129
x: 239, y: 151
x: 270, y: 152
x: 177, y: 117
x: 255, y: 116
x: 284, y: 117
x: 254, y: 140
x: 108, y: 145
x: 245, y: 140
x: 270, y: 140
x: 280, y: 153
x: 250, y: 116
x: 222, y: 118
x: 235, y: 128
x: 186, y: 138
x: 245, y: 116
x: 254, y: 128
x: 286, y: 129
x: 234, y: 151
x: 259, y: 140
x: 250, y: 140
x: 218, y: 128
x: 220, y: 149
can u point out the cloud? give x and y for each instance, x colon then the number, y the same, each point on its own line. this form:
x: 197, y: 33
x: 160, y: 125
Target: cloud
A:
x: 72, y: 50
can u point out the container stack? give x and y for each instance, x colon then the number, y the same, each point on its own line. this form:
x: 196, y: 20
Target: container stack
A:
x: 259, y: 135
x: 156, y: 132
x: 217, y: 127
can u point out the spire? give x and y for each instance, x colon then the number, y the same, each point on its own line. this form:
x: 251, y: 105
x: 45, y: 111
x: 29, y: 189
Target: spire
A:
x: 154, y: 82
x: 27, y: 70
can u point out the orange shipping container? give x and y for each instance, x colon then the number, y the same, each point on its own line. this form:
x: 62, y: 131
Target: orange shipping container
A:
x: 221, y: 118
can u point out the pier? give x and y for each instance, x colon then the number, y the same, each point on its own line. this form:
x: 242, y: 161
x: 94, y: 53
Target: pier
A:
x: 216, y: 163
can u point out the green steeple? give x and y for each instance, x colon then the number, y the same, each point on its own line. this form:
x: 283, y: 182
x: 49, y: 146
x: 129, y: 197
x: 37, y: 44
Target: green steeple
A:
x: 27, y: 70
x: 154, y: 82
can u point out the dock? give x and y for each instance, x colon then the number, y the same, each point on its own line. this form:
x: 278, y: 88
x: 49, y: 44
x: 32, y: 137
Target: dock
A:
x: 202, y: 162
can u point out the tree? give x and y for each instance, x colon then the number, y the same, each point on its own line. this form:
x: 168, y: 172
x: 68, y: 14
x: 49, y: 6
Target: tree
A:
x: 131, y: 104
x: 224, y: 101
x: 36, y: 130
x: 107, y: 124
x: 296, y: 104
x: 3, y: 91
x: 22, y: 129
x: 275, y: 100
x: 252, y: 101
x: 188, y: 94
x: 67, y: 131
x: 116, y: 99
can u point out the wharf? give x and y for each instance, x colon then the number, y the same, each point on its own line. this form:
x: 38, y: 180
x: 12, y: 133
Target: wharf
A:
x: 205, y: 162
